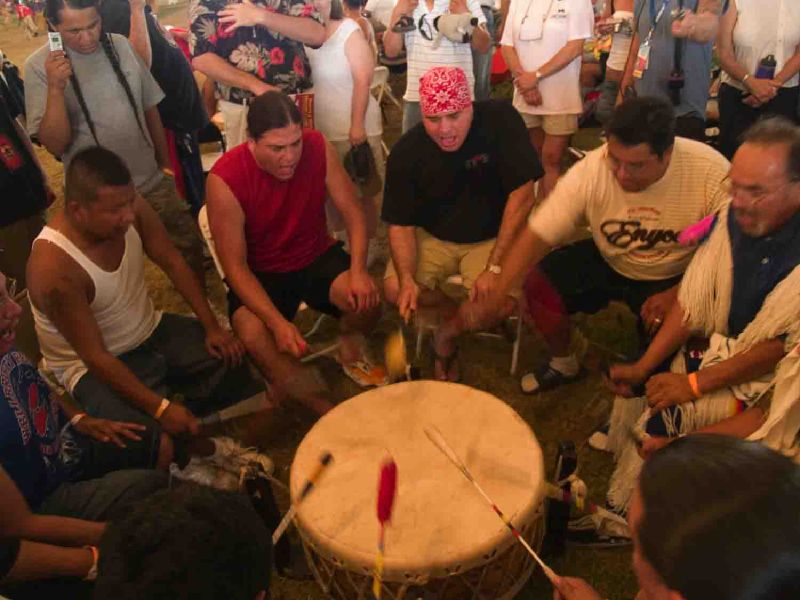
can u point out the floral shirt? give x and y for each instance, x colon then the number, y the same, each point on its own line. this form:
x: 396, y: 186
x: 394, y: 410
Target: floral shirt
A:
x: 267, y: 54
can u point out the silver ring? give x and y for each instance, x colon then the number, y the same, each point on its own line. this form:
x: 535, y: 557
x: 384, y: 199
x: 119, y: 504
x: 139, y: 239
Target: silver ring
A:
x: 658, y: 320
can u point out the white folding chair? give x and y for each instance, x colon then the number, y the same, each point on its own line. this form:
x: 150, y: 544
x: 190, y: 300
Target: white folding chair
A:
x: 457, y: 280
x: 381, y: 89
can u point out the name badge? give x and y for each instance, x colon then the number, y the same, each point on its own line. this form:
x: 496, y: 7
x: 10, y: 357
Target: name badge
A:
x: 642, y: 60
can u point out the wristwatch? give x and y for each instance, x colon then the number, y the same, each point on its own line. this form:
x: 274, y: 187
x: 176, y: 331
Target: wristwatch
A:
x: 494, y: 268
x: 539, y: 75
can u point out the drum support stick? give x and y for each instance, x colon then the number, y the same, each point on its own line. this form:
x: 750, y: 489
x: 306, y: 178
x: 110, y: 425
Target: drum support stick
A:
x: 324, y: 461
x: 438, y: 440
x: 556, y: 493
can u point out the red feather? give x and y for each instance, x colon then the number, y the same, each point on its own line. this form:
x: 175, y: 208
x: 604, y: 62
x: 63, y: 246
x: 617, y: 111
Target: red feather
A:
x: 386, y: 490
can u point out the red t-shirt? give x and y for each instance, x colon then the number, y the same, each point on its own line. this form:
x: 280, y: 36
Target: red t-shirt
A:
x: 285, y: 227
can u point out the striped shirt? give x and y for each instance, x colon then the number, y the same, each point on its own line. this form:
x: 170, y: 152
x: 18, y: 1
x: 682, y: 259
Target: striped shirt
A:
x: 421, y: 54
x: 636, y: 232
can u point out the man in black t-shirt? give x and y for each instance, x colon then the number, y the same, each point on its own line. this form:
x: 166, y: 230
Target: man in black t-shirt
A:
x: 24, y: 193
x: 458, y: 188
x: 182, y: 110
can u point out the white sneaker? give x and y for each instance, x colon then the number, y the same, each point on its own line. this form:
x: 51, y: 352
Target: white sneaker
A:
x: 229, y: 451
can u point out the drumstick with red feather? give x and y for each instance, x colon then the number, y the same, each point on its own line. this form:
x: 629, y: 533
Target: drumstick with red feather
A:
x: 435, y: 436
x: 387, y: 488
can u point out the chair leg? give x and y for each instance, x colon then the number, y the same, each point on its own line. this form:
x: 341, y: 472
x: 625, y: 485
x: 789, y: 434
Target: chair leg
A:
x: 315, y: 327
x: 517, y: 340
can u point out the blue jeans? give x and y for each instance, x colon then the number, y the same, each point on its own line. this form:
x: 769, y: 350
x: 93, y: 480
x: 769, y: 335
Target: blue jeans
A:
x: 482, y: 63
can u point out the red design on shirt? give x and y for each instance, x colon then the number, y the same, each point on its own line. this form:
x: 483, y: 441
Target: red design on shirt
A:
x: 277, y: 56
x: 12, y: 160
x: 298, y: 66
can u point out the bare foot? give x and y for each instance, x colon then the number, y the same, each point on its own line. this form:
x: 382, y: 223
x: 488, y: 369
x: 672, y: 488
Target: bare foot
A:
x: 445, y: 361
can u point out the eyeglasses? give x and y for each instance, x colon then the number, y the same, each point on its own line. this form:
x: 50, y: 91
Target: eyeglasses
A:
x: 633, y: 168
x: 754, y: 195
x: 11, y: 291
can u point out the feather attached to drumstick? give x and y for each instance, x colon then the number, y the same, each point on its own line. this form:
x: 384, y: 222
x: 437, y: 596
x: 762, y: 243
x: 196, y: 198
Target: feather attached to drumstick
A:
x: 324, y: 461
x: 387, y: 489
x: 435, y: 436
x: 396, y: 357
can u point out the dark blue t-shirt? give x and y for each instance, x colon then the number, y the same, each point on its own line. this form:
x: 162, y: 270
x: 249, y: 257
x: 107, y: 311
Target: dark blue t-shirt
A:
x: 30, y: 439
x: 760, y: 264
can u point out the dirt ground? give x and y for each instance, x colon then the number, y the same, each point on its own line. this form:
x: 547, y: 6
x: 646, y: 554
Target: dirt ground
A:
x: 571, y: 413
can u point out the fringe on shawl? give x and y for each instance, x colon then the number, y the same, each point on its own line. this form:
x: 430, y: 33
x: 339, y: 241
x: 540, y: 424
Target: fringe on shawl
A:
x: 705, y: 295
x: 632, y: 412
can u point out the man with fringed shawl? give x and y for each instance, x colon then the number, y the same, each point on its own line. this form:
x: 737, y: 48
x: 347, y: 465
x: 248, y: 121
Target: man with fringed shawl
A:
x: 742, y: 292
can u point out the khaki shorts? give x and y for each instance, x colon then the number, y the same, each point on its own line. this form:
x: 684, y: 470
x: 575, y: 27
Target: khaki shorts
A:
x: 437, y: 260
x: 552, y: 124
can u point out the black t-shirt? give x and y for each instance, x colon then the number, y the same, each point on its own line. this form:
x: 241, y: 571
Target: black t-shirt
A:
x: 22, y: 192
x: 460, y: 196
x: 182, y: 108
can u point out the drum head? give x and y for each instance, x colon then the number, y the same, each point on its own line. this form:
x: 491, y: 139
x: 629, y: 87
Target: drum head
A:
x: 440, y: 523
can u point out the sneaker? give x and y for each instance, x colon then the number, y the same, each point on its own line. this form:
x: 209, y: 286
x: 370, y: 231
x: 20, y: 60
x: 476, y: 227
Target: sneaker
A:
x: 547, y: 378
x: 230, y: 452
x: 599, y: 439
x: 366, y: 374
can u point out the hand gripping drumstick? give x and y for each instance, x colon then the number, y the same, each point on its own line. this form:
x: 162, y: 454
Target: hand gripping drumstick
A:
x: 324, y: 461
x: 438, y: 440
x: 387, y: 487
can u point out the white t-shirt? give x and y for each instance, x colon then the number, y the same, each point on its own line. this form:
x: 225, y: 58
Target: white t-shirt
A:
x: 422, y: 56
x: 563, y: 21
x: 333, y: 87
x: 636, y: 232
x: 765, y: 27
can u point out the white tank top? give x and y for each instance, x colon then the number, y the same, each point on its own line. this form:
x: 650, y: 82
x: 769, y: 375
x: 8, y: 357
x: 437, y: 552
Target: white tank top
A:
x: 121, y: 306
x: 333, y: 87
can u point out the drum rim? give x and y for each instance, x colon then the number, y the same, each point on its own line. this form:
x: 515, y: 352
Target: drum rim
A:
x: 400, y: 568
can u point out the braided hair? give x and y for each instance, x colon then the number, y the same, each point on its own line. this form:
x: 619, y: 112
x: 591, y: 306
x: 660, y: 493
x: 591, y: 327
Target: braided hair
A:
x: 52, y: 8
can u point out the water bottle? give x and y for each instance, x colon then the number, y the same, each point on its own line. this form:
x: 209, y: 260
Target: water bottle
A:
x: 766, y: 68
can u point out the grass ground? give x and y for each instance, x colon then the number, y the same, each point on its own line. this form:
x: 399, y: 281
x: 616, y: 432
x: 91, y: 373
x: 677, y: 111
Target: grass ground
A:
x: 570, y: 413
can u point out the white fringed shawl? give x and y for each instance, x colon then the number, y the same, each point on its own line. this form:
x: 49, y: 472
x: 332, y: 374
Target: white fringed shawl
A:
x: 706, y: 300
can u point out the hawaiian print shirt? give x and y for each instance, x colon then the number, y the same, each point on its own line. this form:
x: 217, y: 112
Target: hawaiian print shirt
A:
x: 268, y: 55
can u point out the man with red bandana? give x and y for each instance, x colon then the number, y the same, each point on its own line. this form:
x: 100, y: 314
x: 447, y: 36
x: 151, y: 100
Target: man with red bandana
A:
x: 459, y: 186
x: 250, y: 48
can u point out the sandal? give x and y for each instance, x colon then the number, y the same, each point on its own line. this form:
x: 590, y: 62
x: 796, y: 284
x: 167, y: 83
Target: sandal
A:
x: 447, y: 363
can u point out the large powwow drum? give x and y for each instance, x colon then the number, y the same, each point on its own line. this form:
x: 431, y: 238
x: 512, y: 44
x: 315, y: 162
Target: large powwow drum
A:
x: 444, y: 542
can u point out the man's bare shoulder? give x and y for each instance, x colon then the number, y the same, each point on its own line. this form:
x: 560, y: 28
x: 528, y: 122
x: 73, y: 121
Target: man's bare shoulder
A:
x: 54, y: 276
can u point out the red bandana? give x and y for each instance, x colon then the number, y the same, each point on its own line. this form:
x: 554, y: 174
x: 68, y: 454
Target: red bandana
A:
x: 443, y: 90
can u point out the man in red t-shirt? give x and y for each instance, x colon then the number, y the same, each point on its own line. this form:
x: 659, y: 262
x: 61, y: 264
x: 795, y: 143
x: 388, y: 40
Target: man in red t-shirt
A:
x: 266, y: 208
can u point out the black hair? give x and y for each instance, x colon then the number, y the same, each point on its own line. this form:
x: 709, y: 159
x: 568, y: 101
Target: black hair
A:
x: 645, y: 120
x: 355, y: 4
x: 721, y: 519
x: 191, y: 542
x: 271, y: 110
x: 778, y: 130
x: 93, y: 168
x: 337, y: 10
x: 51, y: 13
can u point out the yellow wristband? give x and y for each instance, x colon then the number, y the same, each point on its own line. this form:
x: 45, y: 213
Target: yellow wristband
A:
x: 695, y: 385
x: 161, y: 408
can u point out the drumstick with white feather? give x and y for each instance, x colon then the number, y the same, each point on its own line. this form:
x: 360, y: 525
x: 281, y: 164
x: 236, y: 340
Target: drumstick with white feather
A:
x: 438, y: 440
x: 324, y: 461
x: 387, y: 488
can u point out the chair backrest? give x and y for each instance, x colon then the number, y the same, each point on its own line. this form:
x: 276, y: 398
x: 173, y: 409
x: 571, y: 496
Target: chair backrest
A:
x: 205, y: 230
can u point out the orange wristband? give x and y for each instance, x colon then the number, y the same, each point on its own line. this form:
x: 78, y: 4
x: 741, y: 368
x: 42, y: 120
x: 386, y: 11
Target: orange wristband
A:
x: 695, y: 385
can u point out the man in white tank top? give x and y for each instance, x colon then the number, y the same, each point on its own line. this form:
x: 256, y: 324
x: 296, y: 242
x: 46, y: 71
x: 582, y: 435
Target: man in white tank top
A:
x: 97, y: 327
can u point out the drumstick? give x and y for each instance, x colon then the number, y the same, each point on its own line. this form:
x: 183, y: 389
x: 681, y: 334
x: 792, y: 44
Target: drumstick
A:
x: 324, y: 461
x: 248, y: 406
x: 438, y: 440
x: 387, y: 488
